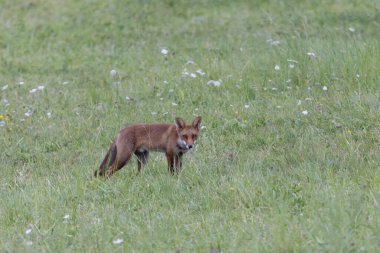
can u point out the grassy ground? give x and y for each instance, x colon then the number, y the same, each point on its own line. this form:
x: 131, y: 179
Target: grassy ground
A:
x: 288, y: 160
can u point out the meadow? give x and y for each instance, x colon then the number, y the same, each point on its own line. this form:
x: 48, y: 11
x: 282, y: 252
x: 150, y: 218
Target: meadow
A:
x: 288, y: 157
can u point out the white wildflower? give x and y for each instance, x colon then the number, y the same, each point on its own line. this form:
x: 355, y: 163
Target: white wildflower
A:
x: 28, y: 114
x: 291, y: 63
x: 305, y: 112
x: 127, y: 98
x: 277, y: 67
x: 164, y: 51
x: 41, y: 87
x: 214, y: 83
x: 324, y: 88
x: 351, y: 29
x: 246, y: 106
x: 33, y: 90
x: 312, y: 55
x: 48, y: 114
x: 65, y: 83
x: 21, y: 83
x: 113, y: 73
x: 200, y: 72
x: 299, y: 102
x: 185, y: 72
x: 4, y: 87
x: 117, y: 241
x: 28, y: 231
x: 192, y: 75
x: 273, y: 42
x: 174, y: 104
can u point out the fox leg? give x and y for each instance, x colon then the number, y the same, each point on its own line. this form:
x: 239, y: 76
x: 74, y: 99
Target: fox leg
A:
x: 178, y: 162
x: 118, y: 164
x: 170, y: 158
x: 142, y: 159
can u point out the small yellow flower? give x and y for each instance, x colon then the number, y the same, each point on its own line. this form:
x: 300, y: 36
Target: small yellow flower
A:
x: 5, y: 118
x: 232, y: 189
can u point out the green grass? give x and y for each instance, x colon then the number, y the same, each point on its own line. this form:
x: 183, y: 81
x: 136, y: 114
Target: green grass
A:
x: 264, y: 176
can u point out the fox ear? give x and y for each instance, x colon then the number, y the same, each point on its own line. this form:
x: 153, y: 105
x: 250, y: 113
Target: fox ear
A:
x: 180, y: 123
x: 197, y: 122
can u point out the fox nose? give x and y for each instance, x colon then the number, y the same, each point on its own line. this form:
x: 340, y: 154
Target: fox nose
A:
x: 190, y: 146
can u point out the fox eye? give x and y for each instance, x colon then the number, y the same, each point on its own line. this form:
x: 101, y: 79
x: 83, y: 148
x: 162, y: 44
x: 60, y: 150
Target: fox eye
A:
x: 184, y: 137
x: 194, y: 136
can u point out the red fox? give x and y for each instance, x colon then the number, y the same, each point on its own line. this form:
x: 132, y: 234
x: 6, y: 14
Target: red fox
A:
x: 172, y: 139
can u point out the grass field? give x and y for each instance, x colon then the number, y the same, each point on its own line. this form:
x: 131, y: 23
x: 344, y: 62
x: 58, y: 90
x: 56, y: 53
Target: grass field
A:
x: 288, y: 159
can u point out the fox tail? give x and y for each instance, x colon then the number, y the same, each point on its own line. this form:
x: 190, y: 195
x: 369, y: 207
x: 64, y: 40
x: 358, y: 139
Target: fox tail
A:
x: 107, y: 161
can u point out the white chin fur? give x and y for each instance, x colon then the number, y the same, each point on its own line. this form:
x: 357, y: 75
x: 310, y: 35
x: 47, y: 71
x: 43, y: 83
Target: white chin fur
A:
x: 182, y: 144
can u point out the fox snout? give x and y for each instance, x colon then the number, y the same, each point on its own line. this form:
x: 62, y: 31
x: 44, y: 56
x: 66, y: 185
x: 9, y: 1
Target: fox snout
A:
x: 189, y: 146
x: 183, y: 145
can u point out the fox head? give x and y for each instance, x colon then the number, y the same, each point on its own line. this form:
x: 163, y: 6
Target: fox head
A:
x: 187, y: 134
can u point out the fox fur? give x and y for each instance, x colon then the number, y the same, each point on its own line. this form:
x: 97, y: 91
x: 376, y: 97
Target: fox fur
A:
x: 172, y: 139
